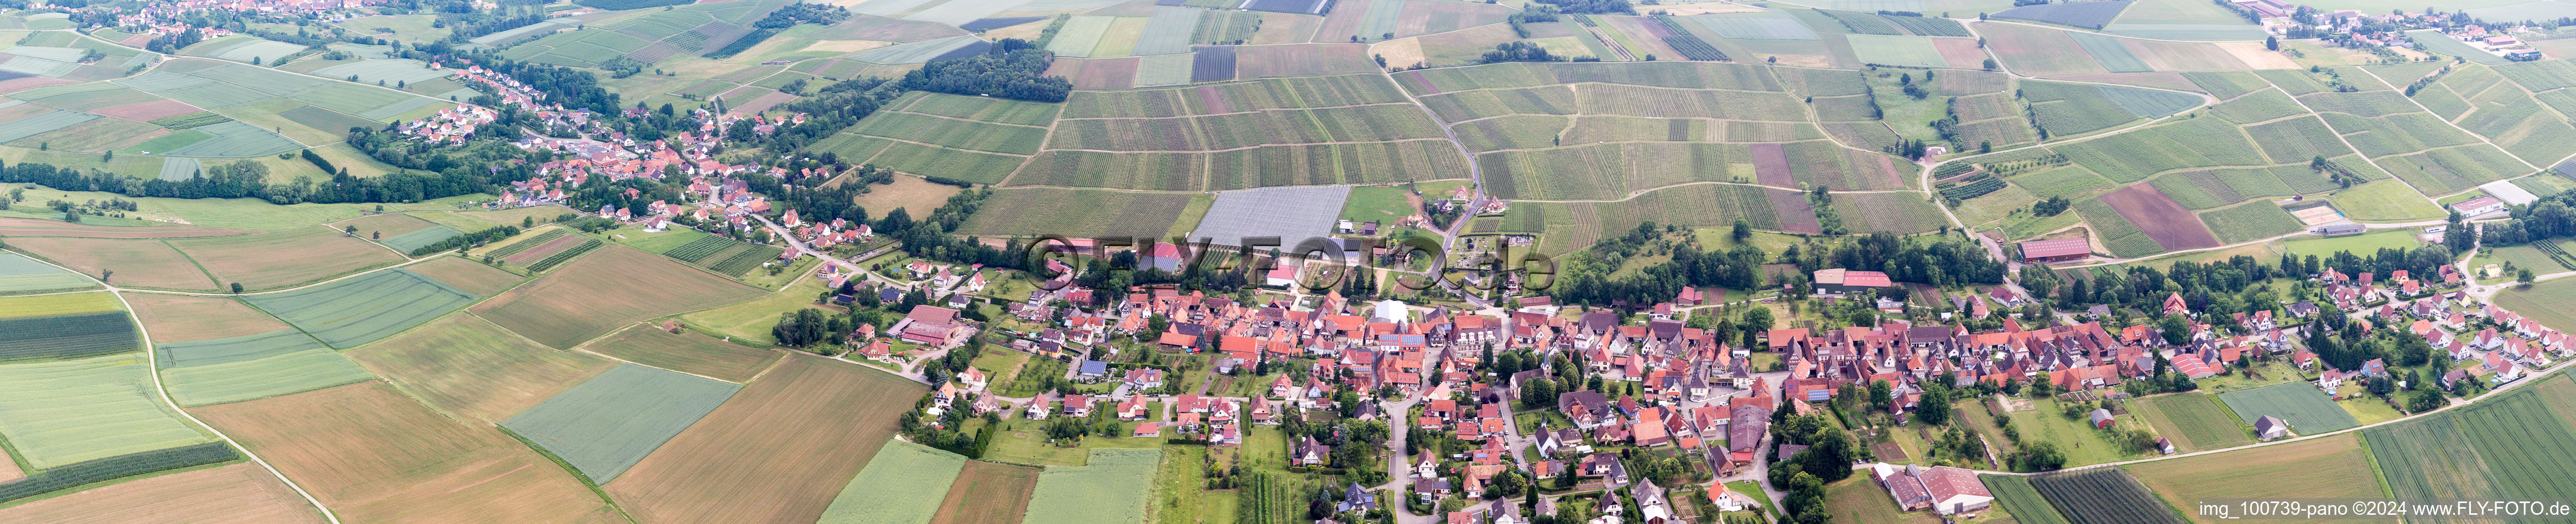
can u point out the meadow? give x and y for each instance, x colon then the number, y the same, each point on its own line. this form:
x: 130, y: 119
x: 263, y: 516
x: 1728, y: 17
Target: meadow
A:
x: 28, y: 227
x: 2337, y: 466
x: 139, y: 263
x: 2385, y: 201
x: 715, y: 472
x: 2192, y: 421
x: 609, y: 422
x: 180, y: 318
x: 333, y: 442
x: 359, y: 310
x: 2302, y: 405
x: 284, y: 259
x: 2251, y: 221
x: 60, y: 412
x: 1102, y: 490
x: 599, y: 293
x: 904, y: 484
x: 465, y: 366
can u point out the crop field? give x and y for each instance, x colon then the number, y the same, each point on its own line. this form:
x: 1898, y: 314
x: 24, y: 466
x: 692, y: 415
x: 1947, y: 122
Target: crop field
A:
x: 413, y: 241
x: 19, y: 274
x: 904, y: 484
x: 2069, y: 109
x: 333, y: 442
x: 2453, y: 169
x: 1240, y: 130
x: 294, y: 372
x: 135, y: 263
x: 1909, y: 51
x: 950, y: 132
x: 19, y: 228
x: 715, y: 472
x: 180, y: 318
x: 598, y: 293
x: 2103, y: 496
x: 987, y: 493
x: 1075, y: 213
x: 609, y: 422
x: 30, y: 334
x: 359, y: 310
x: 2037, y: 51
x: 2160, y: 218
x: 2502, y: 446
x: 2302, y: 405
x: 91, y: 472
x: 689, y: 352
x: 943, y: 162
x: 1102, y: 490
x: 61, y: 412
x: 2316, y: 468
x: 466, y: 274
x: 2122, y: 237
x: 386, y: 225
x: 1899, y: 213
x: 235, y: 493
x: 2250, y: 221
x: 537, y: 247
x: 1276, y: 93
x: 2015, y: 496
x: 285, y: 258
x: 2192, y: 421
x: 463, y: 364
x: 245, y: 348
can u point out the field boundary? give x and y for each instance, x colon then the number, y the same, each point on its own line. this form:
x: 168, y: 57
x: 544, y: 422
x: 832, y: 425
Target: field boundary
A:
x: 152, y: 360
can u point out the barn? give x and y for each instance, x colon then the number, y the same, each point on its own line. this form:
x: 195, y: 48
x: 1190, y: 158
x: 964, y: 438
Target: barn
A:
x: 2060, y: 250
x: 1842, y: 281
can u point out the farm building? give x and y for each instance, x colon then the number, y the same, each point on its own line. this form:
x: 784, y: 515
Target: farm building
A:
x: 2101, y: 418
x: 2060, y: 250
x: 2478, y: 206
x: 1841, y: 282
x: 2341, y: 230
x: 1945, y: 490
x: 2269, y: 428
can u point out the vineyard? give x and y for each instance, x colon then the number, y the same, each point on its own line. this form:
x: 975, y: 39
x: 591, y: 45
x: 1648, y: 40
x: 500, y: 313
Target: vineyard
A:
x: 101, y: 470
x: 744, y: 261
x: 2103, y: 496
x: 1976, y: 188
x: 698, y: 250
x: 1690, y: 46
x: 1926, y: 26
x: 564, y: 255
x: 1270, y: 500
x: 523, y: 245
x: 2555, y: 253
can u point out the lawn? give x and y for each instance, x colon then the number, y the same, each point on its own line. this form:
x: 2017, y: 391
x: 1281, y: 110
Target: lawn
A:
x: 1001, y: 365
x: 1749, y: 488
x: 2364, y: 243
x: 2081, y: 443
x: 2192, y: 421
x: 750, y: 320
x: 1024, y: 443
x: 2302, y: 405
x: 2369, y: 410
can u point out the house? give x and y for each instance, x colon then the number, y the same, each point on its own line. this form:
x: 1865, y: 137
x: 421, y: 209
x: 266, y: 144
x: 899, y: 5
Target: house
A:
x: 2270, y: 428
x: 1840, y: 282
x: 1077, y: 406
x: 2060, y: 250
x: 2101, y: 418
x: 933, y: 326
x: 1312, y: 453
x: 1356, y: 498
x: 1144, y: 378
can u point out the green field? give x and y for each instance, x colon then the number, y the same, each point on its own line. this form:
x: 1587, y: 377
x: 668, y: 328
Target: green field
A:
x: 407, y: 242
x: 363, y: 309
x: 2544, y: 302
x: 19, y: 274
x: 609, y: 422
x: 2081, y: 443
x: 2363, y: 243
x: 60, y: 412
x: 2014, y: 494
x: 294, y: 372
x: 2385, y: 201
x: 1105, y: 490
x: 2511, y: 444
x: 2192, y: 421
x: 33, y: 334
x: 2301, y: 404
x: 2250, y: 221
x: 904, y: 484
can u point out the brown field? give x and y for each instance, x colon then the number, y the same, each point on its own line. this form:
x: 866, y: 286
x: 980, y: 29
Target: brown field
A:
x: 240, y: 493
x: 1285, y: 28
x: 23, y: 83
x: 820, y: 421
x: 2328, y: 467
x: 988, y: 493
x: 2160, y: 217
x: 31, y: 227
x: 1771, y: 166
x: 1438, y: 17
x: 137, y: 263
x: 464, y: 365
x: 1648, y: 35
x: 2165, y: 80
x: 181, y: 318
x: 2181, y: 56
x: 284, y: 259
x: 1797, y: 215
x: 468, y: 275
x: 688, y: 352
x: 2037, y: 51
x: 387, y: 225
x: 1097, y: 73
x: 373, y: 455
x: 911, y: 193
x: 1303, y: 60
x: 541, y: 251
x: 1961, y: 53
x: 1344, y: 21
x: 147, y: 110
x: 9, y: 471
x: 608, y: 288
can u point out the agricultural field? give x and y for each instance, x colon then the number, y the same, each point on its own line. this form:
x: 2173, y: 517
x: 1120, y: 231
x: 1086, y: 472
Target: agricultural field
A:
x: 2302, y: 405
x: 609, y: 422
x: 288, y: 363
x: 60, y: 412
x: 236, y: 493
x: 1075, y: 213
x: 2541, y: 302
x: 464, y: 365
x: 2015, y: 496
x: 332, y: 443
x: 597, y: 294
x: 1102, y: 490
x: 27, y: 227
x: 366, y: 308
x: 714, y: 472
x: 181, y: 318
x: 904, y: 484
x: 22, y: 275
x: 138, y: 263
x: 2385, y: 201
x: 284, y: 259
x: 2192, y: 421
x: 2315, y: 468
x: 64, y: 326
x: 2103, y: 496
x: 2502, y: 446
x: 466, y: 274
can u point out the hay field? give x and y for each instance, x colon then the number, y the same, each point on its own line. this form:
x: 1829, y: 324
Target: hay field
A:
x: 137, y: 263
x: 373, y: 455
x: 65, y: 411
x: 1107, y: 489
x: 785, y: 474
x: 988, y: 493
x: 181, y: 318
x: 284, y: 259
x: 598, y: 293
x: 688, y: 352
x: 2192, y: 421
x: 467, y: 367
x: 904, y: 484
x: 606, y: 424
x: 356, y: 311
x: 31, y: 227
x: 235, y: 494
x: 2329, y: 467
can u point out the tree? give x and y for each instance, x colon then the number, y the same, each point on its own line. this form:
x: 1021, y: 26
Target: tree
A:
x: 1538, y: 393
x: 1743, y: 230
x: 1934, y: 408
x: 377, y: 235
x: 2524, y: 276
x: 2422, y: 400
x: 237, y: 288
x: 2039, y: 455
x: 1507, y: 484
x: 2177, y: 330
x: 2272, y: 43
x: 527, y: 222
